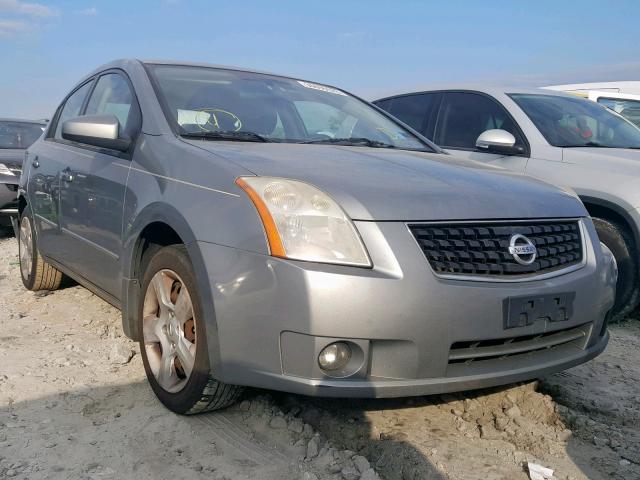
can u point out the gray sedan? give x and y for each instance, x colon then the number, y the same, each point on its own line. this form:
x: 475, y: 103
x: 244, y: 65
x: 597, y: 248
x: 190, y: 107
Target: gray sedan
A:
x: 259, y: 230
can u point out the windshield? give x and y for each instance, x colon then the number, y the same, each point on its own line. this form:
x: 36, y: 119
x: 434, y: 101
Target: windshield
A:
x: 576, y: 122
x: 224, y: 104
x: 19, y: 135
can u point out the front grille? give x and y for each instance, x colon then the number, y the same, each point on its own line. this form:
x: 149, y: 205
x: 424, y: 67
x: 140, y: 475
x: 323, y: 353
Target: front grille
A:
x: 482, y: 249
x: 482, y: 350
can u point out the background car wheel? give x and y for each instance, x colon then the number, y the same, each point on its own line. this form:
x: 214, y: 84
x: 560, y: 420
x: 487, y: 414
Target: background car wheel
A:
x: 173, y: 341
x: 36, y: 273
x: 622, y: 246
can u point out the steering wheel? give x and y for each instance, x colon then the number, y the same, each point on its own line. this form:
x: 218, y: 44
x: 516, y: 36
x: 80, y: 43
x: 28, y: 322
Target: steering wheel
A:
x: 320, y: 136
x: 217, y: 119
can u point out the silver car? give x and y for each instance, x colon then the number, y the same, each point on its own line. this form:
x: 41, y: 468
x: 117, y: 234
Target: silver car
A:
x: 558, y: 138
x: 259, y: 230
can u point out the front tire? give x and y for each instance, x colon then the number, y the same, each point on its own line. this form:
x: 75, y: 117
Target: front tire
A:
x: 36, y: 273
x: 623, y: 248
x: 173, y: 343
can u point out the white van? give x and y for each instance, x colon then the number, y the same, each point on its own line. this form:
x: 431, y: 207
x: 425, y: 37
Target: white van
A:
x: 621, y: 97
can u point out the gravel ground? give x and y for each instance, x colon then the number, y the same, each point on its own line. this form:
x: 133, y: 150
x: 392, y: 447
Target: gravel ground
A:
x: 74, y: 403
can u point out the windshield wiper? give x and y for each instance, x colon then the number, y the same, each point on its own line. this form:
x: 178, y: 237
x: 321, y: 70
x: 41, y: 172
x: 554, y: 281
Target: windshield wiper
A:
x: 588, y: 144
x: 239, y: 136
x: 351, y: 141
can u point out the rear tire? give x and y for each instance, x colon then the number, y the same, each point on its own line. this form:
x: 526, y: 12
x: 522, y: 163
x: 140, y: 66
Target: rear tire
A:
x: 36, y: 273
x: 621, y: 244
x: 173, y: 340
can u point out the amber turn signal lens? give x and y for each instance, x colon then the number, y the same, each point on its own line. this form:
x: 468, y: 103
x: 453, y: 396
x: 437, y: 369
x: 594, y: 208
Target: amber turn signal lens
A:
x: 273, y: 237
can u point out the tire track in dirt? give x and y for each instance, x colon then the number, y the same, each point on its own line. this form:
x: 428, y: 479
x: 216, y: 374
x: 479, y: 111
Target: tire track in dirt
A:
x: 228, y: 429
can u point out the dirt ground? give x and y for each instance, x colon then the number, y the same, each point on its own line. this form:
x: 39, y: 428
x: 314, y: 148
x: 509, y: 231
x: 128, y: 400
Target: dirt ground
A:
x: 74, y: 403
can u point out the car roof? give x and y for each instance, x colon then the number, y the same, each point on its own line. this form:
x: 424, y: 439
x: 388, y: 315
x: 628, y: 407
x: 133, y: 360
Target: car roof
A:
x: 121, y: 63
x: 625, y: 86
x: 492, y: 90
x: 209, y: 65
x: 21, y: 120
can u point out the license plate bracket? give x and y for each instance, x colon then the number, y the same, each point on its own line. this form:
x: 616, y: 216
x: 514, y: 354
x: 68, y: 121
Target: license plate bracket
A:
x: 527, y: 310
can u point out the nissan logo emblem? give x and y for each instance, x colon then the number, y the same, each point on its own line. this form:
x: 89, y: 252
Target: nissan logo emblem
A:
x: 522, y: 249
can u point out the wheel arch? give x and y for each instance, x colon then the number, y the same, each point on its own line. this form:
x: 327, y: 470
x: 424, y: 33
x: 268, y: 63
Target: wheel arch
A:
x: 22, y: 204
x: 607, y: 210
x: 15, y: 220
x: 162, y: 224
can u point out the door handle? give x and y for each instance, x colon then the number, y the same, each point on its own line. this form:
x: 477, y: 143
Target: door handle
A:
x: 35, y: 163
x: 67, y: 175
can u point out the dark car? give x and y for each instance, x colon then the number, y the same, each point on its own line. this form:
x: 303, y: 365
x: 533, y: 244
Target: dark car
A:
x: 15, y: 137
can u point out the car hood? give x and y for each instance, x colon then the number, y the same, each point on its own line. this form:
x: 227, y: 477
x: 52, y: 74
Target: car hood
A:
x: 385, y: 184
x: 11, y: 156
x: 13, y: 159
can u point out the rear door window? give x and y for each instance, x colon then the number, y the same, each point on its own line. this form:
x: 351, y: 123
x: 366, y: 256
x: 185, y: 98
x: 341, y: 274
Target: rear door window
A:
x: 465, y: 115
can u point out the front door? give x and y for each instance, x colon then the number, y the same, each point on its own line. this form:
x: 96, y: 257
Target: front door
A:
x: 92, y: 190
x: 463, y: 116
x: 43, y: 165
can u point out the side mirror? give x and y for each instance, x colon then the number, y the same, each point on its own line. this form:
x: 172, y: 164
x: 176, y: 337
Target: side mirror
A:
x: 498, y: 141
x: 97, y: 130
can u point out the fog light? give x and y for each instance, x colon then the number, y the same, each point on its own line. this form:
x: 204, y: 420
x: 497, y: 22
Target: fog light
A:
x: 335, y: 356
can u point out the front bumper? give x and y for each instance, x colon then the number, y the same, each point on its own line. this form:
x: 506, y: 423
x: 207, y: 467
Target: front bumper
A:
x: 272, y: 316
x: 389, y: 388
x: 8, y: 202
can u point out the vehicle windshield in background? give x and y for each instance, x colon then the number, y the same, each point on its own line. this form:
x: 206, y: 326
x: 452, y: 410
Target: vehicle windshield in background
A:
x: 19, y: 135
x: 225, y: 105
x: 575, y: 122
x: 630, y: 109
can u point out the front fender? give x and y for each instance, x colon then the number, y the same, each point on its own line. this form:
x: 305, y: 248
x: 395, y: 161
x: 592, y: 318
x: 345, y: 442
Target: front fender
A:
x: 620, y: 207
x: 132, y: 276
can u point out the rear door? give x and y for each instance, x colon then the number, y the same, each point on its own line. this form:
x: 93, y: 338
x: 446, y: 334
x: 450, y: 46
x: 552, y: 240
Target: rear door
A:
x: 464, y: 115
x: 44, y: 164
x: 92, y: 187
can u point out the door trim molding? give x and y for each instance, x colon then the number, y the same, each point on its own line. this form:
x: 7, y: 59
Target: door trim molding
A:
x: 92, y: 287
x: 93, y: 244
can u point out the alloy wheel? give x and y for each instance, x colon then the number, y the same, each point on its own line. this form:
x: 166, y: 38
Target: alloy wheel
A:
x: 26, y: 247
x: 169, y: 330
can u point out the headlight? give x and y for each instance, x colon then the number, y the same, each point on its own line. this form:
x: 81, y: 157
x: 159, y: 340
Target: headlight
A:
x: 304, y: 223
x: 611, y: 274
x: 4, y: 170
